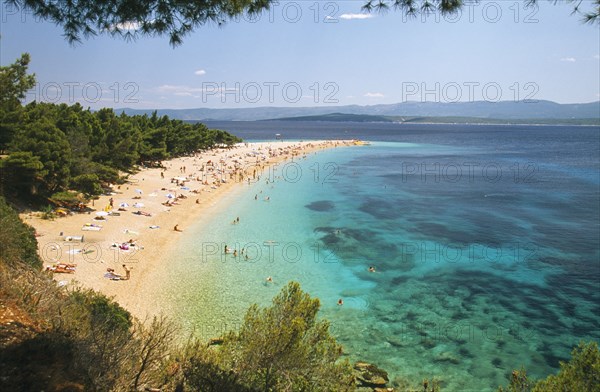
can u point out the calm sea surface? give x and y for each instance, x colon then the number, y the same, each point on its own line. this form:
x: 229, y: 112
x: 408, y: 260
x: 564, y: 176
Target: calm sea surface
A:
x: 484, y: 239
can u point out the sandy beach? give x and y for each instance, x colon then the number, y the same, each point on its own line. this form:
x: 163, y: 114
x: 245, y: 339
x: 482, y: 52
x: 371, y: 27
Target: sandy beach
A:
x: 139, y: 229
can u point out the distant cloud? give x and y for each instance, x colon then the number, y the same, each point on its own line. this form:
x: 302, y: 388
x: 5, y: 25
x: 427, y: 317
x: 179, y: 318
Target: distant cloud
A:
x: 195, y: 92
x: 374, y: 95
x: 200, y: 72
x: 568, y: 59
x: 129, y: 26
x: 597, y: 57
x: 178, y: 90
x: 355, y: 16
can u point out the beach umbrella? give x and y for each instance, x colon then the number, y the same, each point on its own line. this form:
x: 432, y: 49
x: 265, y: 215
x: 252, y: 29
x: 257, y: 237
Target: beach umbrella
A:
x: 124, y: 205
x: 170, y: 196
x: 101, y: 213
x: 138, y: 205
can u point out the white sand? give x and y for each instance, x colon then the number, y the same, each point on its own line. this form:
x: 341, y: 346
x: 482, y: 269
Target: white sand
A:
x: 95, y: 254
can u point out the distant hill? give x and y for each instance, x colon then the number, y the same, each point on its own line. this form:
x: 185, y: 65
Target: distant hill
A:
x: 341, y: 117
x: 505, y: 110
x: 479, y: 120
x: 338, y: 117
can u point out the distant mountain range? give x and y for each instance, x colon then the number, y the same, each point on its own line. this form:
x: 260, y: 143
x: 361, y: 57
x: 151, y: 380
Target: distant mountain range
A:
x: 505, y: 110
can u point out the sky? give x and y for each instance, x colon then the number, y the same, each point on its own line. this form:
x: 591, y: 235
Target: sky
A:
x: 321, y: 53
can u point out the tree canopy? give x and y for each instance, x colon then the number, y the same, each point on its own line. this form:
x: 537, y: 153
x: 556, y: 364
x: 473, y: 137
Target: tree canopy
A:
x: 175, y: 19
x: 53, y: 148
x: 414, y: 7
x: 15, y: 81
x: 126, y: 18
x: 283, y: 347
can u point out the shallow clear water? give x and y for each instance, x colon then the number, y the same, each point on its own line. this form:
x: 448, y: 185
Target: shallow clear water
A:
x: 485, y: 242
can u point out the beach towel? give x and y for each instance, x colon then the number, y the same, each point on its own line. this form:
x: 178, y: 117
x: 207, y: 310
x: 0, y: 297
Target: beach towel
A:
x: 112, y: 276
x: 91, y: 228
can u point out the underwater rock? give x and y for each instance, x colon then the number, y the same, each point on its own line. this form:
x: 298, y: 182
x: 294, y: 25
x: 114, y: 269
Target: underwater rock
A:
x: 321, y: 205
x: 447, y: 356
x: 370, y: 376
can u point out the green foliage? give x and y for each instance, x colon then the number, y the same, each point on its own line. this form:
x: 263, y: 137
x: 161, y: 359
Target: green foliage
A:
x: 130, y: 18
x: 48, y: 213
x: 284, y: 347
x: 54, y: 147
x: 581, y: 373
x: 100, y: 332
x: 87, y: 183
x: 103, y: 312
x: 14, y: 82
x: 65, y: 198
x: 21, y: 173
x: 17, y: 240
x: 174, y: 18
x: 519, y: 382
x: 412, y: 8
x: 204, y: 370
x: 45, y: 141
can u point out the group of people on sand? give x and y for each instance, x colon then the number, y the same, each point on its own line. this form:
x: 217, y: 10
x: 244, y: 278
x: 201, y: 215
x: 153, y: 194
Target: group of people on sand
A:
x: 62, y: 268
x: 229, y: 166
x: 112, y: 275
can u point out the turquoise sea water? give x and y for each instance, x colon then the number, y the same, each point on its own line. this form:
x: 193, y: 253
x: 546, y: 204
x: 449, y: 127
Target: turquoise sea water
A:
x: 485, y: 243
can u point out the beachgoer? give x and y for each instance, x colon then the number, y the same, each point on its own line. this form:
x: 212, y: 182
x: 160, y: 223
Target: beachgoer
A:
x: 127, y: 272
x: 226, y: 249
x: 235, y: 253
x: 340, y: 302
x: 176, y: 228
x: 371, y: 269
x: 269, y: 279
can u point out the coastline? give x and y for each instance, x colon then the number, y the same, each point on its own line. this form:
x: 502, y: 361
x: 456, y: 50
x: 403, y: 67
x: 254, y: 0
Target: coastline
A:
x: 203, y: 199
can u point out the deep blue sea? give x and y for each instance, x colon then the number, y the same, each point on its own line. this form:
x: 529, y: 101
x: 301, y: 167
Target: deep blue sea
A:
x: 485, y: 242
